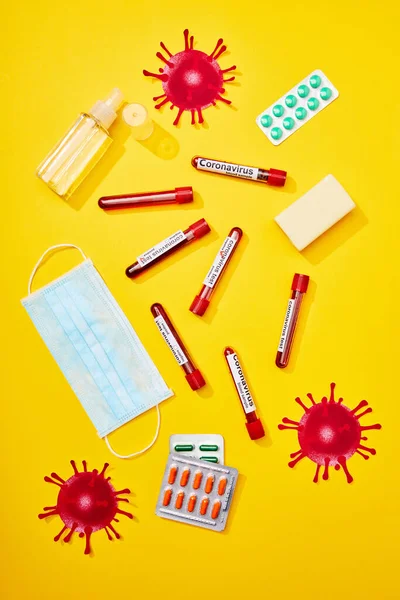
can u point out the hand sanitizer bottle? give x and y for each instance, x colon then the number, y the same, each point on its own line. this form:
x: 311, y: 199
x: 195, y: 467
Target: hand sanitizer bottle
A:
x: 81, y: 148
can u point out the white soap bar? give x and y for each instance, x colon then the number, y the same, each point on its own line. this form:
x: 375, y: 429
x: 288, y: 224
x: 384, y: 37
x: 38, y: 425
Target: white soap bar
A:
x: 315, y: 212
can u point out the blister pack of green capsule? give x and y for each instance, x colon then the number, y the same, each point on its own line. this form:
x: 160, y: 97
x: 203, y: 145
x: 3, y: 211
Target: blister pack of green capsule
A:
x: 296, y: 107
x: 203, y: 446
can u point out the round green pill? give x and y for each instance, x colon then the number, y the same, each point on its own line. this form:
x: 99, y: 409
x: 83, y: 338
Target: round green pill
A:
x: 301, y: 113
x: 315, y: 81
x: 266, y: 120
x: 303, y: 91
x: 325, y: 93
x: 288, y: 123
x: 278, y: 110
x: 312, y: 103
x: 276, y: 133
x: 290, y: 101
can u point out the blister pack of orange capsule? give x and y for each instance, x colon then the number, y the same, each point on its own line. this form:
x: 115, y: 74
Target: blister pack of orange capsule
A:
x: 196, y: 493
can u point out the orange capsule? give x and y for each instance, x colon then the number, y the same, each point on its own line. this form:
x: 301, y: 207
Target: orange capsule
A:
x: 172, y: 474
x: 197, y: 480
x: 179, y: 500
x: 192, y: 503
x: 209, y: 484
x: 185, y: 477
x: 167, y: 497
x: 222, y: 486
x: 204, y: 505
x: 216, y: 509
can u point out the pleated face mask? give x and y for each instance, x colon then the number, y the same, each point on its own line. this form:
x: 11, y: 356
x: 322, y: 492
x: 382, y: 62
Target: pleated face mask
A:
x: 96, y: 348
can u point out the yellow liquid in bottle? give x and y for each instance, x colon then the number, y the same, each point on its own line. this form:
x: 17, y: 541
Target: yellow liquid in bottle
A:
x: 74, y: 156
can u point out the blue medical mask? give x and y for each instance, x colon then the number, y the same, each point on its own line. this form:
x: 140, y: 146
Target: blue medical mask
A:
x: 96, y: 348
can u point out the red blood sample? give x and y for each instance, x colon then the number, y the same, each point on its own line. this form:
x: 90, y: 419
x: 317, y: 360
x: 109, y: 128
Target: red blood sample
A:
x: 167, y: 247
x: 202, y: 300
x: 299, y: 288
x: 177, y: 196
x: 273, y: 177
x: 86, y: 503
x: 175, y: 344
x: 253, y: 425
x: 329, y: 434
x: 191, y: 79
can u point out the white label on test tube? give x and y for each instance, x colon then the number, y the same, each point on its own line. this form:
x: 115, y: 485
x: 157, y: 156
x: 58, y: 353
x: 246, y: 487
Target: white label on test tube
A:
x: 217, y: 166
x: 285, y: 327
x: 171, y: 241
x: 241, y: 383
x: 169, y: 337
x: 219, y: 262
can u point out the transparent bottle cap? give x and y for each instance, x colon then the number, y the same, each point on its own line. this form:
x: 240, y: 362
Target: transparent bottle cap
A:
x: 136, y: 116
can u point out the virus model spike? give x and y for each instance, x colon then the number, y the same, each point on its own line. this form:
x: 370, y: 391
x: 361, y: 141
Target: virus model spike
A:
x: 329, y: 434
x: 86, y: 503
x: 192, y: 80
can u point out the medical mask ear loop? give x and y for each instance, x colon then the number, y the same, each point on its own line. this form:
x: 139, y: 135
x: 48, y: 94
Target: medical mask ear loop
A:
x: 34, y: 271
x: 39, y: 262
x: 144, y: 449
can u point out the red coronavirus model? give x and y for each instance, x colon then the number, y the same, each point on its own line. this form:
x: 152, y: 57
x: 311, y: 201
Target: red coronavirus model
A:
x: 329, y: 434
x: 86, y: 503
x: 191, y: 79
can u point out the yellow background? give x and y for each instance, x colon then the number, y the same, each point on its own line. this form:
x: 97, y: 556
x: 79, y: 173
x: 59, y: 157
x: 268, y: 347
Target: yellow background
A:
x: 286, y: 537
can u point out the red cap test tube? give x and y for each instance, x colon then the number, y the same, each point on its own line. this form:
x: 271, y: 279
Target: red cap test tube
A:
x: 167, y: 247
x: 225, y: 253
x: 254, y: 426
x: 175, y: 344
x: 299, y: 288
x: 274, y: 177
x: 179, y: 195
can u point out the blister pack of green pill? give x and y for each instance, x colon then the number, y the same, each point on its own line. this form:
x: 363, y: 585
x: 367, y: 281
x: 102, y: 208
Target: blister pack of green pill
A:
x: 203, y: 446
x: 296, y: 107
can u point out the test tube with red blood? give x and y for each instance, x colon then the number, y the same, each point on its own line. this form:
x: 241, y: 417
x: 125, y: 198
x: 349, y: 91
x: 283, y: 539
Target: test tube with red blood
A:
x: 175, y: 344
x: 167, y: 247
x: 225, y: 253
x: 254, y: 426
x: 299, y: 288
x: 274, y: 177
x: 180, y: 195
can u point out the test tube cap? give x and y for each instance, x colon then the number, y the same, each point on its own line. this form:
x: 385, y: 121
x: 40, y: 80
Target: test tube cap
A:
x: 200, y: 228
x: 300, y: 283
x: 255, y: 429
x: 276, y: 177
x: 199, y: 306
x: 195, y: 380
x: 184, y: 194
